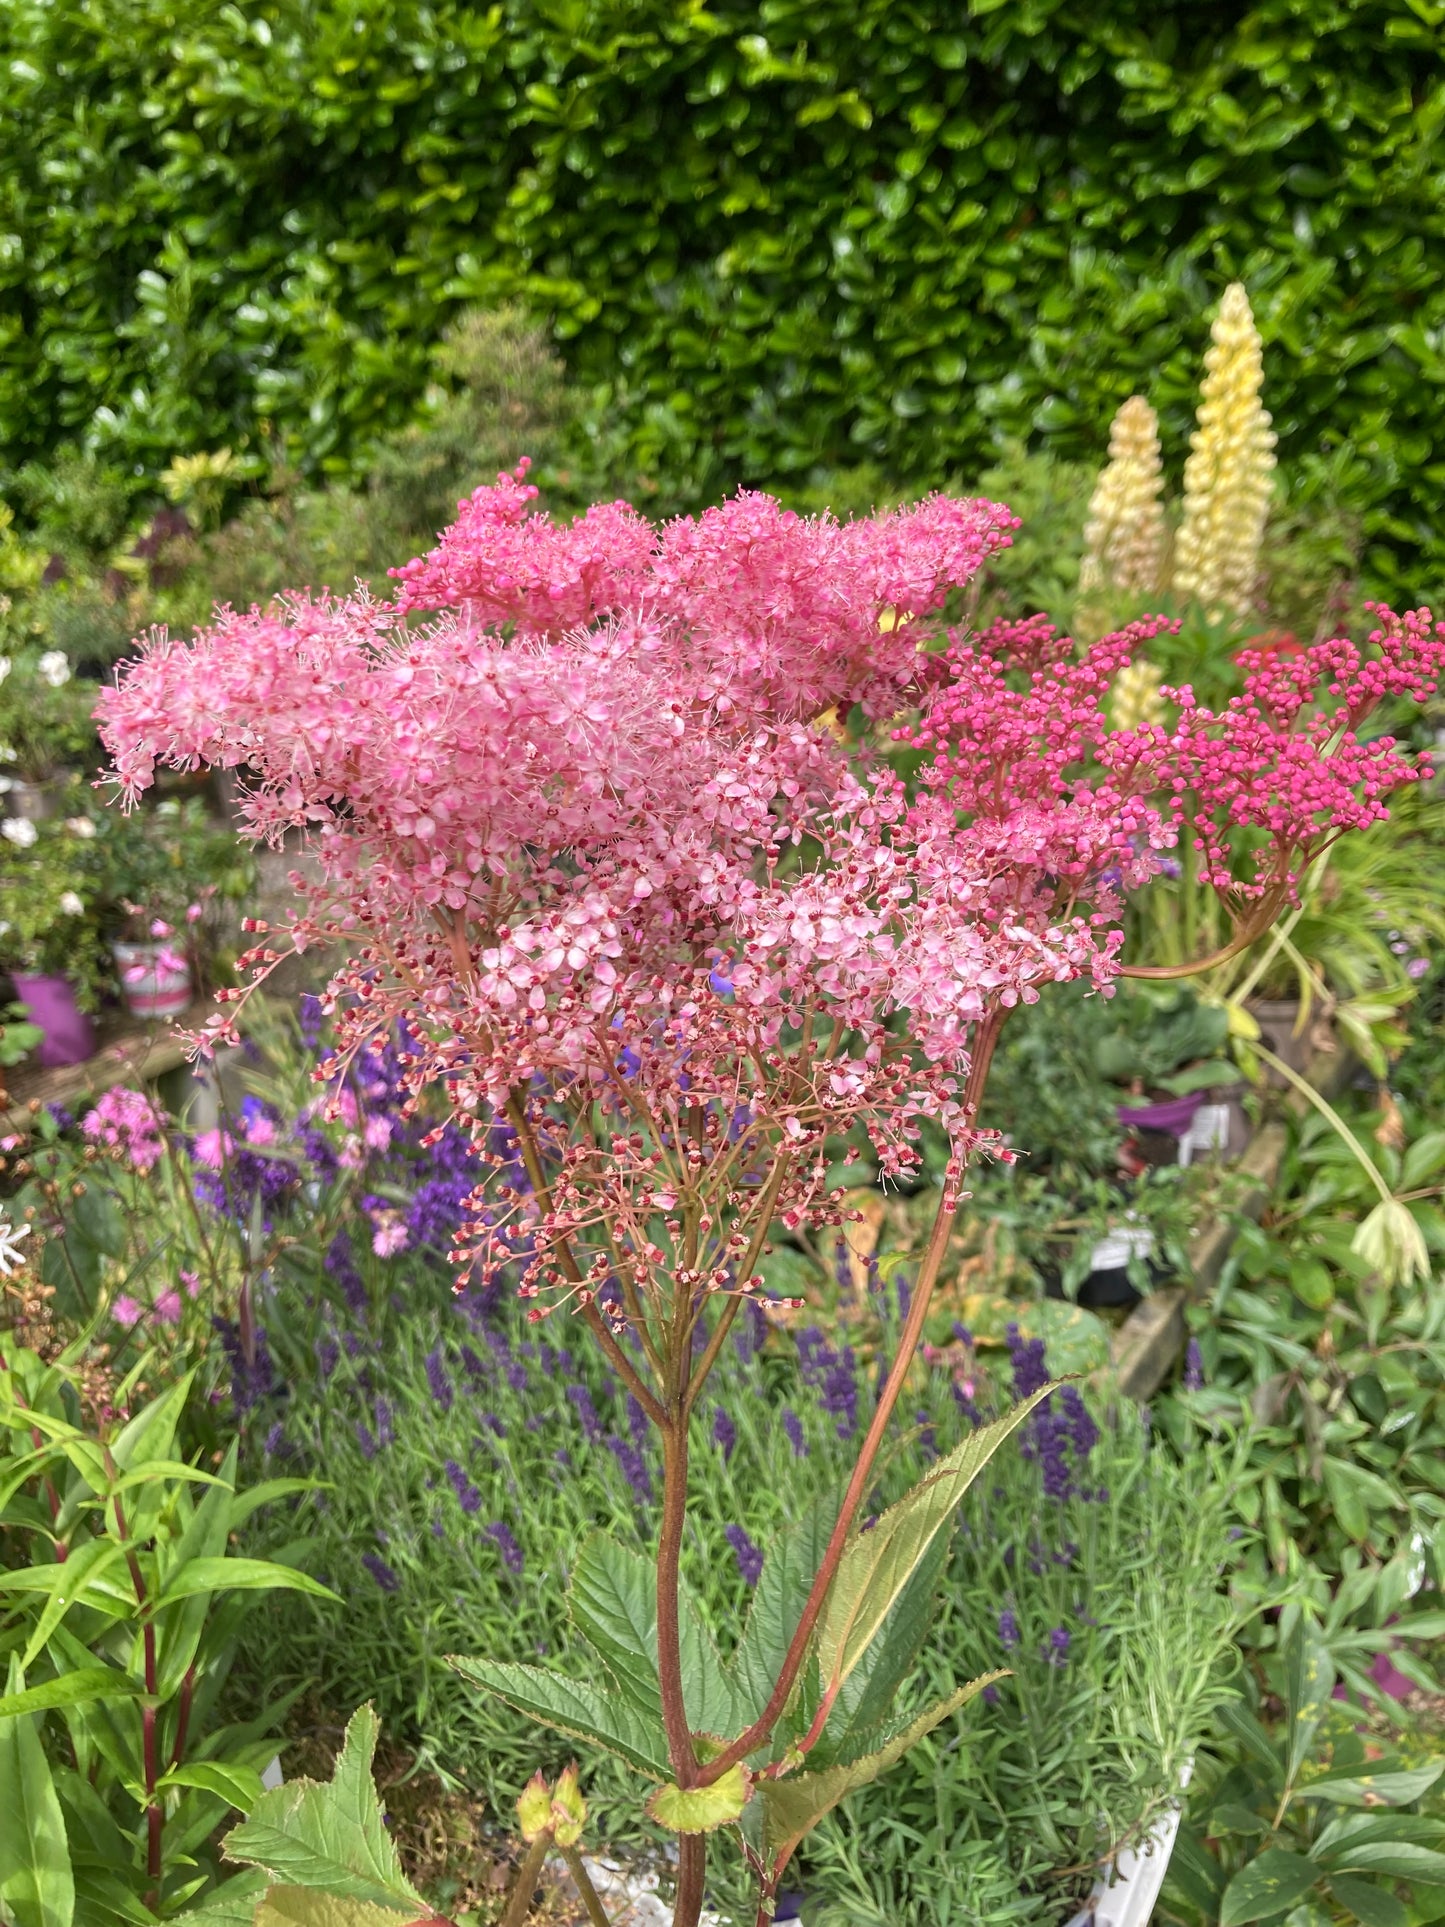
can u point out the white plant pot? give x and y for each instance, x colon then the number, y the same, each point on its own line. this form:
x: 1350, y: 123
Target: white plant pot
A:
x: 1127, y: 1895
x: 155, y: 979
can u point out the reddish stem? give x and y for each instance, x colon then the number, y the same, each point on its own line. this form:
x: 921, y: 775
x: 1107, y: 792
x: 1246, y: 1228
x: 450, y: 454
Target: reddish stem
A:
x: 812, y: 1611
x: 669, y: 1643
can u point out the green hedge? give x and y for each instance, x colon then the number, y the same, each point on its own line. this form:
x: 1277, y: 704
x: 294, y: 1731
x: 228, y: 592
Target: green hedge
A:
x: 783, y: 234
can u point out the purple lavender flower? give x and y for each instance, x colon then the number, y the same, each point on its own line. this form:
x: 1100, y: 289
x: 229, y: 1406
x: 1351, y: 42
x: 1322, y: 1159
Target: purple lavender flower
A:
x: 468, y: 1497
x: 1008, y: 1629
x: 511, y: 1552
x: 905, y: 1298
x: 436, y: 1378
x: 751, y: 1331
x: 341, y: 1266
x: 381, y: 1572
x: 842, y: 1268
x: 253, y: 1379
x: 724, y: 1433
x: 749, y: 1557
x: 517, y: 1377
x: 840, y: 1393
x: 1193, y: 1367
x: 633, y: 1468
x: 275, y: 1440
x: 581, y: 1399
x: 927, y: 1437
x: 638, y: 1423
x: 962, y: 1334
x: 312, y: 1018
x: 1077, y: 1419
x: 365, y: 1440
x: 990, y: 1694
x: 385, y: 1431
x: 793, y: 1426
x: 1059, y: 1641
x: 1030, y: 1365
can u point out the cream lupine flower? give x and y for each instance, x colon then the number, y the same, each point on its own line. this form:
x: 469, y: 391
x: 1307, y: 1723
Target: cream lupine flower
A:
x: 1227, y: 476
x: 1134, y: 700
x: 1124, y: 537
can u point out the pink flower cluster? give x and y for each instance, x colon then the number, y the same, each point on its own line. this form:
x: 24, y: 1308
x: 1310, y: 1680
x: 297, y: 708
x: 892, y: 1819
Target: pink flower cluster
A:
x: 128, y: 1123
x: 652, y: 929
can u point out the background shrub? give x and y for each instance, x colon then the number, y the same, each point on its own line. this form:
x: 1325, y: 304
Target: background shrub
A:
x: 774, y: 236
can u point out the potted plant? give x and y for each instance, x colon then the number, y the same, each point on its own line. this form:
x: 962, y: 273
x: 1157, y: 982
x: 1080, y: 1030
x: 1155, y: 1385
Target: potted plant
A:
x: 45, y: 729
x: 168, y: 876
x: 50, y: 942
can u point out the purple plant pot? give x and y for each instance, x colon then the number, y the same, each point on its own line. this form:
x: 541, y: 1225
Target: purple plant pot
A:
x: 1174, y: 1115
x: 69, y: 1034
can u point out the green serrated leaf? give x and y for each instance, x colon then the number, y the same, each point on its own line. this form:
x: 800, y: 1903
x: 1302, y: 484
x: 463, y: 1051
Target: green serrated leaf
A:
x: 701, y: 1809
x: 789, y: 1566
x: 1268, y: 1885
x: 878, y: 1564
x: 583, y: 1712
x: 794, y: 1805
x: 613, y: 1602
x: 234, y: 1903
x: 37, y: 1887
x: 308, y: 1907
x: 331, y: 1836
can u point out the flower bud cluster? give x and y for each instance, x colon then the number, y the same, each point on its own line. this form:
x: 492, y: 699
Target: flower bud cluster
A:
x: 1125, y: 536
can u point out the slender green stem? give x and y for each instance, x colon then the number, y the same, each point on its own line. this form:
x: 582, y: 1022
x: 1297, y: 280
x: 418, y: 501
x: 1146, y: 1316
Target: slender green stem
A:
x: 1331, y: 1117
x: 577, y: 1867
x: 519, y: 1904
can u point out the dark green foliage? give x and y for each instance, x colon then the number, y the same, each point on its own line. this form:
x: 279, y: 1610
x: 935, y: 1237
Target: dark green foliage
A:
x: 782, y: 235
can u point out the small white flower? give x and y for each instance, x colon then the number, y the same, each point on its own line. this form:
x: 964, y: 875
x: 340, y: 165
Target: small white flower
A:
x: 11, y: 1256
x: 80, y: 826
x: 71, y: 904
x: 20, y: 830
x: 54, y: 668
x: 4, y: 667
x: 9, y: 753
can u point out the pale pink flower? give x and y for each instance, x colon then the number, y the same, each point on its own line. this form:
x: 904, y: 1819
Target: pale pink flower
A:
x: 128, y: 1122
x: 191, y: 1282
x: 376, y: 1133
x: 126, y: 1311
x: 159, y: 927
x: 260, y: 1129
x: 212, y: 1148
x: 167, y: 1307
x: 390, y: 1235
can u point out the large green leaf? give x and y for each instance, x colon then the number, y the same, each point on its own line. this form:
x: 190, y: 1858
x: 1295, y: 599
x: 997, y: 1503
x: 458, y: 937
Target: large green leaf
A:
x: 794, y: 1805
x: 151, y: 1433
x: 37, y: 1887
x: 613, y: 1600
x: 867, y: 1695
x: 331, y: 1836
x: 1268, y: 1885
x: 878, y: 1564
x: 1401, y: 1859
x: 581, y: 1711
x: 789, y: 1568
x: 309, y: 1907
x: 234, y: 1902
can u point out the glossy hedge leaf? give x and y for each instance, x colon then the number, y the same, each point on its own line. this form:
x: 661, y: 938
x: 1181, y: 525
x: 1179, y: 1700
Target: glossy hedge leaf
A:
x: 1268, y: 1885
x: 37, y: 1887
x: 581, y: 1711
x: 878, y: 1564
x: 331, y: 1835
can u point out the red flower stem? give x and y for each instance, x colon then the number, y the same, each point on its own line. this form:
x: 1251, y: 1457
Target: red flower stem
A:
x: 932, y: 1264
x: 691, y: 1878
